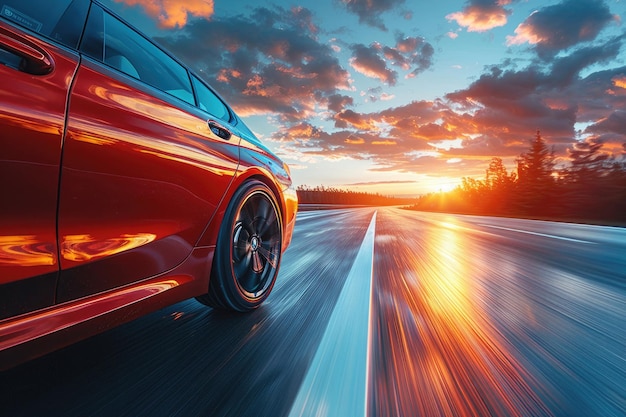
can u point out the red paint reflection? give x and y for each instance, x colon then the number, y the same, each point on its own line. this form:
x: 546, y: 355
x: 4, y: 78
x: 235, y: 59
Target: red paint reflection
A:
x: 25, y: 251
x: 70, y: 314
x: 80, y: 248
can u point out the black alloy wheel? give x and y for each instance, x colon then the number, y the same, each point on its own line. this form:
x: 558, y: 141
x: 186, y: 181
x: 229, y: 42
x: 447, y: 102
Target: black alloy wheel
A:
x: 248, y: 252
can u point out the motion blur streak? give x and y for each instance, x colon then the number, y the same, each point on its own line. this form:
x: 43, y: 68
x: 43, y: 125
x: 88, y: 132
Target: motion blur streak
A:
x: 336, y: 383
x: 443, y: 357
x: 470, y: 317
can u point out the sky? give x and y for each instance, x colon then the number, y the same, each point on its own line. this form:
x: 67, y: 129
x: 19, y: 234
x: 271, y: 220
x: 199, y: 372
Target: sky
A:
x: 404, y: 97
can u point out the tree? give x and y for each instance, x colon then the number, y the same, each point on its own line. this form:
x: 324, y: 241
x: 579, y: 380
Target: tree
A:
x: 535, y: 184
x: 591, y: 187
x: 499, y: 185
x: 587, y: 183
x: 587, y: 163
x: 497, y: 176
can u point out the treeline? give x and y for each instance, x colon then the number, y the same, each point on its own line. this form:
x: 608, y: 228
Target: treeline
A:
x: 591, y: 187
x: 325, y: 195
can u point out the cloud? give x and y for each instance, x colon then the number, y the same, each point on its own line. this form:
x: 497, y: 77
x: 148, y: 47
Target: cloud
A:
x: 410, y: 134
x: 505, y: 103
x: 268, y: 63
x: 369, y: 10
x: 566, y: 69
x: 495, y: 116
x: 417, y: 53
x: 412, y: 54
x: 560, y: 26
x: 367, y: 61
x: 351, y: 118
x: 620, y: 81
x: 301, y: 135
x: 272, y: 63
x: 615, y: 123
x: 481, y: 15
x: 436, y: 166
x: 373, y: 94
x: 338, y: 102
x: 173, y: 13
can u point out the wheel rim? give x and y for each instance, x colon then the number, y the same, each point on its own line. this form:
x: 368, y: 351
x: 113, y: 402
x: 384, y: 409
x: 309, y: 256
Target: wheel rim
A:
x: 256, y: 244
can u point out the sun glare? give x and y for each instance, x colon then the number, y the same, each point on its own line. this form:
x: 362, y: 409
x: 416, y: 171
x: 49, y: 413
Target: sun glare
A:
x: 445, y: 186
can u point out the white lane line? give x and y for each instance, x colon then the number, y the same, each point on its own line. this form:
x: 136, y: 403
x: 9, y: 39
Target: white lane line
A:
x: 569, y: 239
x: 336, y: 382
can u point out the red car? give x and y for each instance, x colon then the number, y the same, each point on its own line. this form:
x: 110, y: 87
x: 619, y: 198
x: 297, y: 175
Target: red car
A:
x: 127, y: 183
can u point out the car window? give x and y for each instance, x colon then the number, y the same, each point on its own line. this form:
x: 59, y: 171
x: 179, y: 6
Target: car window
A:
x: 209, y: 101
x: 109, y: 40
x: 61, y: 20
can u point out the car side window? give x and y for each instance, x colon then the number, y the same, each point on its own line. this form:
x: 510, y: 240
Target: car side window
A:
x: 209, y: 101
x: 112, y: 42
x: 60, y: 20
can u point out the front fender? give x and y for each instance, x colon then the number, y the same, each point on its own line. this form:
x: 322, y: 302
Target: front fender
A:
x: 256, y: 162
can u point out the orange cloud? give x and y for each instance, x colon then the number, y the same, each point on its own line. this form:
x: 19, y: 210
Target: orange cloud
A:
x: 379, y: 71
x: 357, y: 141
x: 619, y: 81
x: 226, y: 74
x: 256, y: 86
x: 524, y: 33
x: 557, y: 27
x: 173, y: 13
x: 357, y: 120
x: 479, y: 18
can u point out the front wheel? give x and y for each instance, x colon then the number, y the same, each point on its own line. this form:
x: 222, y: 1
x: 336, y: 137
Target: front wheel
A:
x: 248, y: 252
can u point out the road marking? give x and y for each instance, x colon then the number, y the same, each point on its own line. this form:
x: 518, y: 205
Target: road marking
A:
x: 569, y: 239
x: 337, y: 380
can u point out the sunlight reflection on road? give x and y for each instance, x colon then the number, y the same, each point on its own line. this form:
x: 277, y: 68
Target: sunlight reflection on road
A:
x: 445, y: 357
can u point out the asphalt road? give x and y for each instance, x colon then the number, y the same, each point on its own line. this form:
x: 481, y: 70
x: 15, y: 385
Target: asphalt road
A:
x: 409, y: 314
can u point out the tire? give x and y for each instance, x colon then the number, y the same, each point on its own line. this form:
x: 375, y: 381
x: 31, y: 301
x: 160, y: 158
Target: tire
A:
x: 248, y: 252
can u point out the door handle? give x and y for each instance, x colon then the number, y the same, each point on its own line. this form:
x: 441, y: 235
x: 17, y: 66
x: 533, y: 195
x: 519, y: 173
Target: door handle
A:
x: 219, y: 130
x: 33, y: 59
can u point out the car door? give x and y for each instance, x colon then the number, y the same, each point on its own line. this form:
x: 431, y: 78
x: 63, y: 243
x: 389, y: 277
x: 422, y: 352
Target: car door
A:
x: 37, y: 65
x: 143, y: 172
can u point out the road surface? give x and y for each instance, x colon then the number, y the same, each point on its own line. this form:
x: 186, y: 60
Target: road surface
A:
x: 377, y: 312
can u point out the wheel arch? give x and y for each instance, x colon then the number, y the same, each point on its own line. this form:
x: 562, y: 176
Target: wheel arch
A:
x: 210, y: 234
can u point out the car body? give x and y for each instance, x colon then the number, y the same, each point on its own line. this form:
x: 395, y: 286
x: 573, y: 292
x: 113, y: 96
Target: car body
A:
x: 128, y: 184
